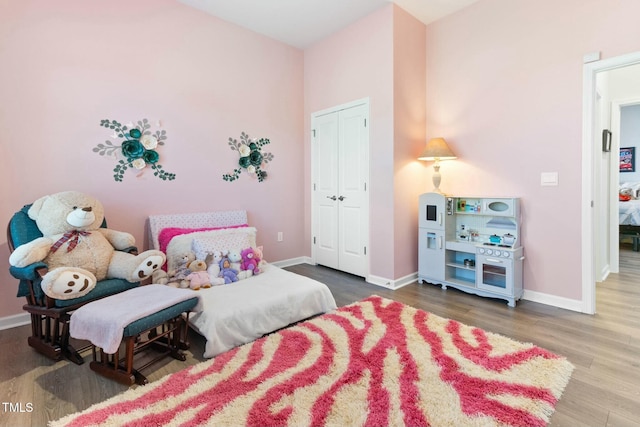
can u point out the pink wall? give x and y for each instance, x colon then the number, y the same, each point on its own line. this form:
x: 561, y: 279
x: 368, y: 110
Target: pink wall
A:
x: 355, y: 63
x: 504, y: 87
x: 409, y: 58
x: 68, y: 64
x: 382, y: 57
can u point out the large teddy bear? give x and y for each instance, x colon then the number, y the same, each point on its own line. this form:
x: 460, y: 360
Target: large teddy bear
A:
x: 77, y: 251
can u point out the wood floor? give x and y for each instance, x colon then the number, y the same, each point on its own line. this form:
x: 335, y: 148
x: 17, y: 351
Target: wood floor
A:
x: 605, y: 348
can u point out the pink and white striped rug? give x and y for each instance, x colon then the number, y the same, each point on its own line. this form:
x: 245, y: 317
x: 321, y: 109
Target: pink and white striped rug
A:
x: 373, y: 363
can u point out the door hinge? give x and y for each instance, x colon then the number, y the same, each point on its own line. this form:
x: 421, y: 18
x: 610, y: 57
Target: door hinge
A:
x: 314, y: 132
x: 365, y: 250
x: 314, y: 186
x: 314, y: 240
x: 365, y: 186
x: 365, y: 122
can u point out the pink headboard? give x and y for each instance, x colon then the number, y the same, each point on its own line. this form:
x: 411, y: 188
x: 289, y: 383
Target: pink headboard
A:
x: 193, y: 220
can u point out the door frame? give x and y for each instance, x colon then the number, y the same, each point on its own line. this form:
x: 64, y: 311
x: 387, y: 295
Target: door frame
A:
x: 590, y: 145
x: 314, y: 225
x: 614, y: 231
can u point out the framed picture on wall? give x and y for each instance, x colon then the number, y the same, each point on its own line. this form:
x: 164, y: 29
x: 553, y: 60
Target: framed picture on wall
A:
x: 627, y: 159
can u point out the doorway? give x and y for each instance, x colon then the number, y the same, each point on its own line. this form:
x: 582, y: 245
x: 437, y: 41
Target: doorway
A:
x: 340, y: 193
x: 593, y: 200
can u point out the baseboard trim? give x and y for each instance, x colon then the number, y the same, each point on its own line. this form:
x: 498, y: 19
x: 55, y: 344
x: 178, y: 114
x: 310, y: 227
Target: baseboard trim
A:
x: 390, y: 283
x: 374, y: 280
x: 604, y: 274
x: 539, y: 297
x: 14, y: 321
x: 552, y: 300
x: 293, y: 261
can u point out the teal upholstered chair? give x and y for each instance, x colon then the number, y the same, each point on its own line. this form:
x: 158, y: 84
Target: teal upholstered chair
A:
x: 50, y: 317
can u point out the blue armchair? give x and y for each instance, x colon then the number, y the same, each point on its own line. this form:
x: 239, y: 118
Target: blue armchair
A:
x: 50, y: 317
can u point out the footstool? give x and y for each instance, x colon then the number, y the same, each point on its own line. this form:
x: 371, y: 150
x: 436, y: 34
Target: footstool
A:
x: 150, y: 315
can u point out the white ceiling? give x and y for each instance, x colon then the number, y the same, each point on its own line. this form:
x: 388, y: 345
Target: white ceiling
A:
x: 301, y: 23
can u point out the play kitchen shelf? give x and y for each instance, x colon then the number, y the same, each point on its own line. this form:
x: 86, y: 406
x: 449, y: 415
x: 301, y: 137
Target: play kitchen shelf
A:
x: 472, y: 244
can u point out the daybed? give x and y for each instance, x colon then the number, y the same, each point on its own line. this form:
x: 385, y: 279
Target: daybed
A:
x: 239, y: 312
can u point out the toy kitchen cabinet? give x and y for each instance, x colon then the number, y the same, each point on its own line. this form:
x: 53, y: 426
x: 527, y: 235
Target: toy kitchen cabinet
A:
x: 471, y: 244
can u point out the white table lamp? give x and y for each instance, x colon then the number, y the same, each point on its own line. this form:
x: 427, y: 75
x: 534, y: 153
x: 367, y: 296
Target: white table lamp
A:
x: 436, y: 150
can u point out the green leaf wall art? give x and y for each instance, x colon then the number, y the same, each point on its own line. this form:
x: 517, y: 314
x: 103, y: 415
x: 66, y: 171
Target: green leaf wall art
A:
x: 137, y: 150
x: 252, y: 158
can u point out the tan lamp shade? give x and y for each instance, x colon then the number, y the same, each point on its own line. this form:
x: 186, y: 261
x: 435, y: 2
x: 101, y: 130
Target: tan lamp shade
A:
x: 436, y: 150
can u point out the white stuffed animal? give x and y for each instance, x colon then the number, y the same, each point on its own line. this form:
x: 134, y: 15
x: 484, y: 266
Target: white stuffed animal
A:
x: 78, y: 253
x: 235, y: 258
x: 213, y: 262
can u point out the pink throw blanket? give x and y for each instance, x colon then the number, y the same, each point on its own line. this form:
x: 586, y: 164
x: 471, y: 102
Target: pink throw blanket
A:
x: 102, y: 322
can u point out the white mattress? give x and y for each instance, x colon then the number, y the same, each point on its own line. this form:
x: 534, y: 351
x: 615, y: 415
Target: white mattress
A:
x: 630, y: 212
x: 243, y: 311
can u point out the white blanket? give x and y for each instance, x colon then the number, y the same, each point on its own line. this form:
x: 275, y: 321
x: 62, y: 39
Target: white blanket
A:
x: 630, y: 212
x: 102, y: 322
x: 240, y: 312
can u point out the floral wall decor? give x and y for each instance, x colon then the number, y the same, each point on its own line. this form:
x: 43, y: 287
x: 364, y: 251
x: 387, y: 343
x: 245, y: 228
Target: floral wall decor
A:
x: 252, y: 158
x: 137, y: 150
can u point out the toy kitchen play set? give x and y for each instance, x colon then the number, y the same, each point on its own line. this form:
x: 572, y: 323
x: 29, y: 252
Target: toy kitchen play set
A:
x: 471, y: 244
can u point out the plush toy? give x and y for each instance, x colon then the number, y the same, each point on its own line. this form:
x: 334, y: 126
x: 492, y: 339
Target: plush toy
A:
x: 250, y: 261
x: 160, y: 277
x: 198, y: 278
x: 258, y: 256
x: 178, y: 275
x: 235, y: 258
x: 78, y: 253
x: 175, y: 277
x: 226, y: 272
x: 180, y: 262
x: 213, y: 262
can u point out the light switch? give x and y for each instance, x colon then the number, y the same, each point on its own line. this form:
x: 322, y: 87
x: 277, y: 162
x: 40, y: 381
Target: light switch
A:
x: 549, y: 179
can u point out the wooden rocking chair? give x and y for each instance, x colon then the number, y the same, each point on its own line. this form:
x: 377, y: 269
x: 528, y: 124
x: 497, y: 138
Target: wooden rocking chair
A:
x: 50, y: 317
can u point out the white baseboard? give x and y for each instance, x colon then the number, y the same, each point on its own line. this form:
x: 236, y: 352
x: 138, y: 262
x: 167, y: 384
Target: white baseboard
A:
x: 392, y: 284
x: 292, y: 261
x: 14, y: 321
x: 374, y: 280
x: 542, y: 298
x: 555, y: 301
x: 604, y: 274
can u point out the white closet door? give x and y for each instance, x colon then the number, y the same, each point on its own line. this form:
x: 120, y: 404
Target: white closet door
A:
x: 353, y: 173
x: 341, y: 173
x: 325, y: 153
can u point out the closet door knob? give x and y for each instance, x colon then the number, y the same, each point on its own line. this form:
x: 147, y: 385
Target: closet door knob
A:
x: 341, y: 198
x: 332, y: 198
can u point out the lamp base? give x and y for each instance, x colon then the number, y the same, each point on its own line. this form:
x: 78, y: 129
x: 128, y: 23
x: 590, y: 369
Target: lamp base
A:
x: 436, y: 178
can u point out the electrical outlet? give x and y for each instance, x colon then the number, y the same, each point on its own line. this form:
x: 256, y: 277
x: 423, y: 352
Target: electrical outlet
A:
x: 280, y: 236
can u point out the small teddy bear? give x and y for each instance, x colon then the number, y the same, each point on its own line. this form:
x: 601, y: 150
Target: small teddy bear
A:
x: 198, y: 278
x: 177, y: 278
x: 250, y: 261
x: 259, y: 257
